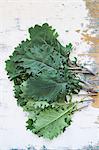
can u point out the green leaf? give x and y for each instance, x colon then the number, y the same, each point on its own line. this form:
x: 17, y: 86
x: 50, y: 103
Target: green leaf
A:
x: 38, y: 33
x: 40, y: 89
x: 51, y: 122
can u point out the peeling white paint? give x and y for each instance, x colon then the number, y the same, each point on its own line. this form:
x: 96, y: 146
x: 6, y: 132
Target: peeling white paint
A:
x: 16, y: 17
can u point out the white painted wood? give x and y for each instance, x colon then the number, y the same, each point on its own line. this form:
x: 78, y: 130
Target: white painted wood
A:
x: 16, y: 16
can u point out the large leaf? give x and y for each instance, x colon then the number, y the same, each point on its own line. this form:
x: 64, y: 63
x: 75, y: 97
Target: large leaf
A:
x: 51, y: 122
x: 40, y: 89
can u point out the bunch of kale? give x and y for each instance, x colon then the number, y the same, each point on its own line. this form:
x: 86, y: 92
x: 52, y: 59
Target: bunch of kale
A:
x: 41, y: 70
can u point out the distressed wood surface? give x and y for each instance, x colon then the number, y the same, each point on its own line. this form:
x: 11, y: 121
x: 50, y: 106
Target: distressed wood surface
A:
x: 93, y: 8
x: 73, y: 26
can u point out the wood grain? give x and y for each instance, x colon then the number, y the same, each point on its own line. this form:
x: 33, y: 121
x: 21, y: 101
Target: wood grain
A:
x: 93, y: 8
